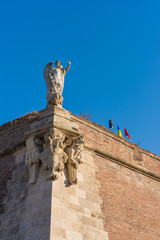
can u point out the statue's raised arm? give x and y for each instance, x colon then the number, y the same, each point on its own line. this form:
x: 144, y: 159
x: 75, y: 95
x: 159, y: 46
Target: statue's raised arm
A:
x: 54, y: 78
x: 68, y: 67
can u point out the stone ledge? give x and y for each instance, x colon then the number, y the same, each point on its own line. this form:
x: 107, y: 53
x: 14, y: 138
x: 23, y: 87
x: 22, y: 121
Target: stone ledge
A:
x: 112, y: 135
x: 12, y: 149
x: 122, y: 161
x: 18, y: 122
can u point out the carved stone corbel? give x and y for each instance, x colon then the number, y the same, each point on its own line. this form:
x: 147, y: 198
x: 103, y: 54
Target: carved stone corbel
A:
x: 74, y: 147
x: 52, y: 153
x: 32, y: 157
x: 53, y: 156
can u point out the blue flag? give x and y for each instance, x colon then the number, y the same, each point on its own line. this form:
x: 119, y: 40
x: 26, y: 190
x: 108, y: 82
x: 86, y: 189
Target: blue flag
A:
x: 111, y: 124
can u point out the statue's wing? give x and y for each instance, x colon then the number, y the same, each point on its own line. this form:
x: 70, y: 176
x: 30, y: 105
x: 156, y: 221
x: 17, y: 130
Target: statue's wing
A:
x: 47, y: 74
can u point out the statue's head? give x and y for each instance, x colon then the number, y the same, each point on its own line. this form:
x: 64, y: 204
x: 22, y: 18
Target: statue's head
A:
x: 57, y: 63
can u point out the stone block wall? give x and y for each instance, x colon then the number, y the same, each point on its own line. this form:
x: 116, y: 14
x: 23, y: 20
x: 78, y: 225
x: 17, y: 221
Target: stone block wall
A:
x: 76, y: 209
x: 27, y: 209
x: 12, y: 137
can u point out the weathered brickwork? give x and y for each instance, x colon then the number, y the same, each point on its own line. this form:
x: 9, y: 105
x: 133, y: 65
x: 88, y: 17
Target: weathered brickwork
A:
x: 106, y: 143
x: 12, y: 134
x: 151, y: 162
x: 130, y: 199
x: 130, y: 202
x: 6, y: 164
x: 14, y: 204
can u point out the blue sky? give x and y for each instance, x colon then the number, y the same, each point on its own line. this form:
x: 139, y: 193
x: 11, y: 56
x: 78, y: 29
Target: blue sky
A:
x: 114, y: 48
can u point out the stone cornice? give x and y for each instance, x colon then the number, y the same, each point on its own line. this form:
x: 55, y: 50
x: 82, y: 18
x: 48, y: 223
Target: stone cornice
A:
x: 112, y: 135
x: 122, y: 161
x: 12, y: 149
x: 18, y: 122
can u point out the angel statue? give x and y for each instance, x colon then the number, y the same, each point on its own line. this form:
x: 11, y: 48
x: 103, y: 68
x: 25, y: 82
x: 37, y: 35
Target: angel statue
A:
x: 54, y: 77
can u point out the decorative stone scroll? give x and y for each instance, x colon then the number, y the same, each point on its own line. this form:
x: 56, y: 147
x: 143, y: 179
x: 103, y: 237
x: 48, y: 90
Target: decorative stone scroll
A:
x: 32, y: 157
x: 53, y: 157
x: 74, y: 148
x: 54, y: 78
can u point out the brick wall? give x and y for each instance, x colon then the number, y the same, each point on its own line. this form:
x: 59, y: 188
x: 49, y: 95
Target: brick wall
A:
x: 13, y: 134
x: 131, y: 202
x: 130, y: 197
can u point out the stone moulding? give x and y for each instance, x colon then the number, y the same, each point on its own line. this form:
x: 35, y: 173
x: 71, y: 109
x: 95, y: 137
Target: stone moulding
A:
x: 52, y: 150
x: 122, y: 161
x: 110, y: 134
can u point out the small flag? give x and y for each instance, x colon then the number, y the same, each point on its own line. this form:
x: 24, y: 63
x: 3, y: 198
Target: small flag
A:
x: 111, y: 124
x: 119, y: 131
x: 126, y: 133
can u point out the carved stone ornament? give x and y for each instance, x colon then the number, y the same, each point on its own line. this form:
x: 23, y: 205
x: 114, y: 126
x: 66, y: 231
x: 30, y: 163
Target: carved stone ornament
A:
x: 74, y: 148
x: 54, y: 78
x: 53, y: 156
x: 52, y: 153
x: 32, y: 157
